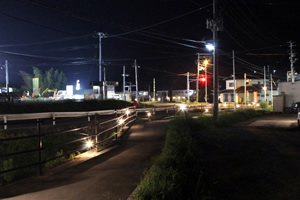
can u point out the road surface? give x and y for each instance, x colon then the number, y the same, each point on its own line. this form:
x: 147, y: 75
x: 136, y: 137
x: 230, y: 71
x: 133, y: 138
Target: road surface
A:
x: 257, y: 159
x: 112, y: 175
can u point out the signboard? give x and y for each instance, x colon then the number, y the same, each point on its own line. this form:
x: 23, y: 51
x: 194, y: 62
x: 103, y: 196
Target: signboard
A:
x: 35, y: 86
x: 255, y: 99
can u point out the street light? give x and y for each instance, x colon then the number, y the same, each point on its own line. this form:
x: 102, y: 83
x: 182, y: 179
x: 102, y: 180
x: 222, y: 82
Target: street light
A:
x: 210, y: 47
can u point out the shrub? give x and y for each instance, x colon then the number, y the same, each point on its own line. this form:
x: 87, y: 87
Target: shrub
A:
x: 175, y: 174
x: 264, y: 105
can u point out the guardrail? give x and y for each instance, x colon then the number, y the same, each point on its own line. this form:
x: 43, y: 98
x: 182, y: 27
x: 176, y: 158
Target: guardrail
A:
x: 97, y: 134
x: 55, y: 115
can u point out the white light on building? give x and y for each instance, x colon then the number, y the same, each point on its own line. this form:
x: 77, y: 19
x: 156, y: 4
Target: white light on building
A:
x: 77, y: 85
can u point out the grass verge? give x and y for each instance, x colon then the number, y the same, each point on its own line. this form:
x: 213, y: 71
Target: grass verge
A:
x: 176, y: 173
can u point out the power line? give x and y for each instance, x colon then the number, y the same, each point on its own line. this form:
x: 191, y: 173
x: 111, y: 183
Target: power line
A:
x: 36, y: 24
x: 163, y: 22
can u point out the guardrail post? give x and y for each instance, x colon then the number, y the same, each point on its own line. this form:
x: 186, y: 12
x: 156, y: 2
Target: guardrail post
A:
x: 89, y: 117
x: 38, y: 129
x: 5, y: 122
x: 96, y: 131
x: 53, y: 119
x: 116, y: 115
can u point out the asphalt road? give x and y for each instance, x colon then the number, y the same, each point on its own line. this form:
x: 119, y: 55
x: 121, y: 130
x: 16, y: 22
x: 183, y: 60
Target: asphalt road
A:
x: 112, y: 175
x: 257, y: 159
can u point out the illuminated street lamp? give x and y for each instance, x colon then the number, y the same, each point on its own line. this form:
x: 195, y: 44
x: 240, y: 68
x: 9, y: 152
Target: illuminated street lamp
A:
x: 264, y: 88
x: 210, y: 47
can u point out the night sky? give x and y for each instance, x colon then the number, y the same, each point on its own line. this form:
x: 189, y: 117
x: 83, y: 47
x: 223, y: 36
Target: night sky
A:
x: 161, y: 34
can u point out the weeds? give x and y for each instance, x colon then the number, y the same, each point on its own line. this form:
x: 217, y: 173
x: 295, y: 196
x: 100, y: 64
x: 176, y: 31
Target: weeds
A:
x: 176, y: 173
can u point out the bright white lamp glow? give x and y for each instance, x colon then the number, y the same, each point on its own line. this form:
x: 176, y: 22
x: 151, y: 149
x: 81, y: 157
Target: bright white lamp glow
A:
x: 210, y: 47
x: 149, y: 114
x: 89, y: 144
x: 182, y: 107
x: 264, y: 88
x: 237, y: 106
x: 127, y: 112
x: 121, y: 121
x: 206, y: 110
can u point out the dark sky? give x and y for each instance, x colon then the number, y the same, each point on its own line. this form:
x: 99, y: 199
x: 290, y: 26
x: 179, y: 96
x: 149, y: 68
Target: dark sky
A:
x: 160, y: 34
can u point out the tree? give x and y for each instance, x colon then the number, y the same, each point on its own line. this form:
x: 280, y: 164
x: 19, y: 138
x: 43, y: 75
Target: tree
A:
x: 27, y: 78
x: 52, y: 79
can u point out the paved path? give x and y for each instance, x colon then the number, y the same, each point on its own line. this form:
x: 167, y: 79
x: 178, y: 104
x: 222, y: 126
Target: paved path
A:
x: 283, y: 120
x: 112, y: 175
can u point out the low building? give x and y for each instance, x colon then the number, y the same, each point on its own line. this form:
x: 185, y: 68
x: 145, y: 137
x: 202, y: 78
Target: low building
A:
x: 291, y: 92
x: 254, y: 91
x: 182, y: 95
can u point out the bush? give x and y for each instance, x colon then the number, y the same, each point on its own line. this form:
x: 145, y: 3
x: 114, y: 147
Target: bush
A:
x: 264, y: 105
x: 175, y: 174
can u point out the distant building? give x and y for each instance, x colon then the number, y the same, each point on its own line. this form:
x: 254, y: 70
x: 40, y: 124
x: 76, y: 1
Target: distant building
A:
x: 254, y: 91
x: 102, y: 90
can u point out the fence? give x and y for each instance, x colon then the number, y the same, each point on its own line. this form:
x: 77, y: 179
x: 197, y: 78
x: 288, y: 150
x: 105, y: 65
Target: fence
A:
x: 95, y: 134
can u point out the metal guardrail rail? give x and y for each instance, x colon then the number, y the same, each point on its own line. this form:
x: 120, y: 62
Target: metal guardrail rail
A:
x: 96, y: 132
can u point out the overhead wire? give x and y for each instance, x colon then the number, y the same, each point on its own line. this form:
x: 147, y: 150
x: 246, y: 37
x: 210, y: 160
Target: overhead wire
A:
x: 159, y: 23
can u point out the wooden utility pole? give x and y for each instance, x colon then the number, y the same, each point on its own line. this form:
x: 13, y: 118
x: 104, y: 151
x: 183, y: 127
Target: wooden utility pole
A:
x: 197, y: 82
x: 245, y: 88
x: 154, y: 89
x: 234, y: 93
x: 188, y: 86
x: 136, y: 83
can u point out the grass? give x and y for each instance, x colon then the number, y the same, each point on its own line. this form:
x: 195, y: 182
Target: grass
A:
x: 176, y: 173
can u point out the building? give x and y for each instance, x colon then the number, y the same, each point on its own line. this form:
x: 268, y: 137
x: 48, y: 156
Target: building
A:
x: 182, y: 95
x: 254, y: 91
x: 290, y: 91
x: 99, y: 87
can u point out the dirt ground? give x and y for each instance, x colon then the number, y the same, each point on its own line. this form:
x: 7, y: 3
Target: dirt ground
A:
x: 252, y: 162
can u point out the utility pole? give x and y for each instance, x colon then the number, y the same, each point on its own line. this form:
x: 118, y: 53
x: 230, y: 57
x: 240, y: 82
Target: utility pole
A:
x: 188, y: 86
x: 149, y: 96
x: 292, y: 60
x: 271, y: 88
x: 234, y: 93
x: 215, y: 69
x: 124, y: 96
x: 197, y: 82
x: 215, y: 24
x: 101, y: 35
x: 245, y: 88
x: 154, y: 89
x: 124, y: 74
x: 265, y: 83
x: 136, y: 83
x: 206, y: 79
x: 104, y: 84
x: 6, y: 76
